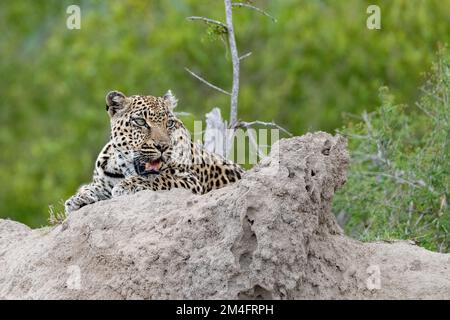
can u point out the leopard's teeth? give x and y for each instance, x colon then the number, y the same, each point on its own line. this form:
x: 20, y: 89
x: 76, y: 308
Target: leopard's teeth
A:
x: 155, y: 165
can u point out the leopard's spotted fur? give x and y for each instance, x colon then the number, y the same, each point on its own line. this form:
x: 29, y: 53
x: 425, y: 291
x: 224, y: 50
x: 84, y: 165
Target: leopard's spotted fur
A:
x: 151, y: 149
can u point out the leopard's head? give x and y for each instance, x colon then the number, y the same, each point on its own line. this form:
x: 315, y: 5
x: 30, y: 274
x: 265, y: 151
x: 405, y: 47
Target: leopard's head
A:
x: 145, y: 132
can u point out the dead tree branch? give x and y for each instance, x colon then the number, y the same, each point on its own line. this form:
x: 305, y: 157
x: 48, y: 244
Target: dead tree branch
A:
x: 182, y: 113
x: 207, y: 82
x: 243, y: 124
x: 209, y: 22
x: 248, y: 54
x: 233, y: 124
x: 235, y: 62
x: 249, y: 6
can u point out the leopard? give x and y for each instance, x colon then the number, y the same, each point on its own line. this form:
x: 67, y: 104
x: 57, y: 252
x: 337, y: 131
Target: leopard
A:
x: 150, y: 149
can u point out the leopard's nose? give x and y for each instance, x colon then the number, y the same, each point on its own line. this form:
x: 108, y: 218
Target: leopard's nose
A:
x: 161, y: 147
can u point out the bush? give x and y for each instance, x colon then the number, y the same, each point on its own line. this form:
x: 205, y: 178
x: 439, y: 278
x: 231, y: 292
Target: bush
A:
x: 399, y: 177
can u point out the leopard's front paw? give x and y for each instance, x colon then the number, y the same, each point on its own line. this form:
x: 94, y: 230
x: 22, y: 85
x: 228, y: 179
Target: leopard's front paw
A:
x: 77, y: 201
x: 129, y: 186
x: 122, y: 189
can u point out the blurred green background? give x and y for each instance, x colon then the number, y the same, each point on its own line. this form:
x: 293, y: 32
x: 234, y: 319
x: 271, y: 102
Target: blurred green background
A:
x: 314, y: 65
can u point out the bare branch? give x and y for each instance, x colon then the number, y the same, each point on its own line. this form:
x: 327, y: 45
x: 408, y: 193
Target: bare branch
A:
x: 235, y: 62
x: 207, y: 83
x: 209, y: 21
x: 354, y: 136
x: 380, y: 149
x: 398, y: 179
x: 228, y: 28
x: 243, y: 124
x: 182, y: 113
x: 249, y: 6
x: 418, y: 105
x: 351, y: 115
x: 432, y: 94
x: 248, y: 54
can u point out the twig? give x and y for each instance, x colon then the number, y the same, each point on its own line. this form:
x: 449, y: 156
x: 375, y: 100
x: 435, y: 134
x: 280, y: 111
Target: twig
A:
x: 380, y: 149
x: 418, y: 105
x: 351, y: 115
x: 249, y: 6
x: 207, y: 82
x: 414, y: 184
x: 355, y: 136
x: 228, y: 28
x: 243, y: 124
x: 245, y: 56
x: 182, y: 113
x: 235, y: 62
x: 434, y: 95
x: 209, y: 21
x: 363, y: 156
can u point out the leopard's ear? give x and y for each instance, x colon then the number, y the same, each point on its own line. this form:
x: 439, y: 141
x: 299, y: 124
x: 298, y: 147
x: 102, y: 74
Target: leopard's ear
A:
x: 170, y: 100
x: 115, y: 102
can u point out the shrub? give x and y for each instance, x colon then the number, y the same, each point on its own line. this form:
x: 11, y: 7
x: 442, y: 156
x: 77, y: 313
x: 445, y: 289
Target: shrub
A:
x: 398, y: 183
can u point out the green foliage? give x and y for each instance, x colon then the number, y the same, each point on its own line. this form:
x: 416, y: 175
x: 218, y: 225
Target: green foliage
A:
x: 318, y: 61
x: 399, y: 179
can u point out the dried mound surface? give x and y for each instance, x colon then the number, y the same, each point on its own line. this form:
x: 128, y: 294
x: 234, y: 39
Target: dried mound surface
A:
x: 271, y: 235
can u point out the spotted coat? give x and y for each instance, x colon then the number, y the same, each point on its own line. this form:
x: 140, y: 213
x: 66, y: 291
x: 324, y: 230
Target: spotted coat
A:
x: 150, y: 149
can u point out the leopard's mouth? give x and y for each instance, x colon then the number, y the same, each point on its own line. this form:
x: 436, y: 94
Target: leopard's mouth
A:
x: 145, y: 167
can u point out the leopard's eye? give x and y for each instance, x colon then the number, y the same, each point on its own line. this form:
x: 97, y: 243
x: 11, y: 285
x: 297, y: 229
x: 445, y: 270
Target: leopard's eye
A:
x: 139, y: 122
x: 170, y: 123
